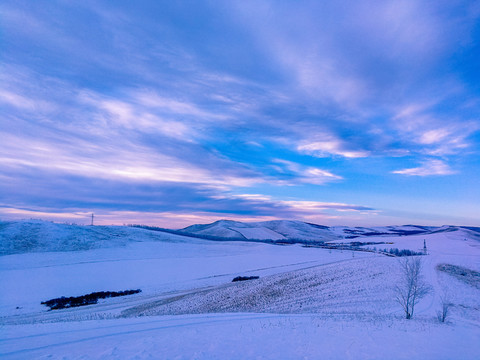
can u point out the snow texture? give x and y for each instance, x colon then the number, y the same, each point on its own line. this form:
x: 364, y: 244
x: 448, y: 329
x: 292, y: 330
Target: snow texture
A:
x: 307, y: 303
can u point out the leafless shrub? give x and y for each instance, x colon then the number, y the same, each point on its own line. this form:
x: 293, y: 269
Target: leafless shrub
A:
x: 445, y: 306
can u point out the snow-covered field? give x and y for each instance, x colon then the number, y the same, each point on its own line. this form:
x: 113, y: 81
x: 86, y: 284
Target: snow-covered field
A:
x: 308, y: 302
x: 242, y: 336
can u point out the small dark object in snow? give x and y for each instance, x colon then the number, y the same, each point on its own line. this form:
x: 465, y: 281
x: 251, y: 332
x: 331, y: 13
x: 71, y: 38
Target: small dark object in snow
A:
x: 243, y: 278
x: 73, y: 301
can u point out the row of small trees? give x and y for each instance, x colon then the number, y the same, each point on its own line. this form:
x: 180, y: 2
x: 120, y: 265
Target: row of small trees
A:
x: 400, y: 253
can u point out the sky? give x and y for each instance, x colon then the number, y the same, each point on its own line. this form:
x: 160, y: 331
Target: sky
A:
x: 171, y: 113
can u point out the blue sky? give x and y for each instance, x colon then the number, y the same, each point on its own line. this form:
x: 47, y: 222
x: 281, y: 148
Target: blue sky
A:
x: 173, y: 113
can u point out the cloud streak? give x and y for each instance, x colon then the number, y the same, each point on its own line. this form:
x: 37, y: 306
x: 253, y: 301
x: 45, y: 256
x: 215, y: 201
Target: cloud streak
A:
x: 428, y: 168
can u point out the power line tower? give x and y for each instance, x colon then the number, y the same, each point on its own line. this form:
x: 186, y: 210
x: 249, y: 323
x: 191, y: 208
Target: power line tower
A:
x: 92, y: 220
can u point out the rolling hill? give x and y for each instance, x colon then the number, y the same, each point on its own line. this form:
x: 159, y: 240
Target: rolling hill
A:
x: 298, y: 230
x: 43, y: 236
x: 306, y: 302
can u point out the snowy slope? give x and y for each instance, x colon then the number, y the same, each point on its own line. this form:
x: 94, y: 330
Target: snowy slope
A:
x: 242, y: 336
x: 260, y: 233
x: 273, y: 230
x: 185, y: 264
x: 220, y: 228
x: 155, y: 267
x: 298, y: 230
x: 307, y: 303
x: 41, y: 236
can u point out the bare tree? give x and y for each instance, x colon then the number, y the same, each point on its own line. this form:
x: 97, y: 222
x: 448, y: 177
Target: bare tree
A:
x: 412, y: 287
x: 445, y: 306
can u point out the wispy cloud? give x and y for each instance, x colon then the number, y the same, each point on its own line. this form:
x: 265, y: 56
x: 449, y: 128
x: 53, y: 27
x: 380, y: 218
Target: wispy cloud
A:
x: 303, y: 209
x: 127, y: 114
x: 241, y: 207
x: 429, y: 168
x: 331, y: 146
x: 106, y: 137
x: 152, y: 100
x: 309, y: 206
x: 303, y: 174
x: 23, y: 102
x: 426, y: 132
x: 191, y: 107
x: 126, y: 161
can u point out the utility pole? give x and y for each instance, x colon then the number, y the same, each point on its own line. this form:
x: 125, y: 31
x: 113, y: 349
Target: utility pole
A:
x: 92, y: 220
x: 424, y: 247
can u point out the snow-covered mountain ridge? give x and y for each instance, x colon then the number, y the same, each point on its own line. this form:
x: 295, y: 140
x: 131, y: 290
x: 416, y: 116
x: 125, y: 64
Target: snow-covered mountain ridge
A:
x: 298, y: 230
x: 40, y: 236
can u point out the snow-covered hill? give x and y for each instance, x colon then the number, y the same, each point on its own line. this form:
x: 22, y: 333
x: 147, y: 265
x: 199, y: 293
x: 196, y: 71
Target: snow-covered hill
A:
x: 298, y: 230
x: 42, y: 236
x: 267, y: 230
x: 308, y: 302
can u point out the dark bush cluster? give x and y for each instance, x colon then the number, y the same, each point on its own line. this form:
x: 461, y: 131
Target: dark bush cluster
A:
x: 243, y: 278
x: 73, y: 301
x: 363, y: 243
